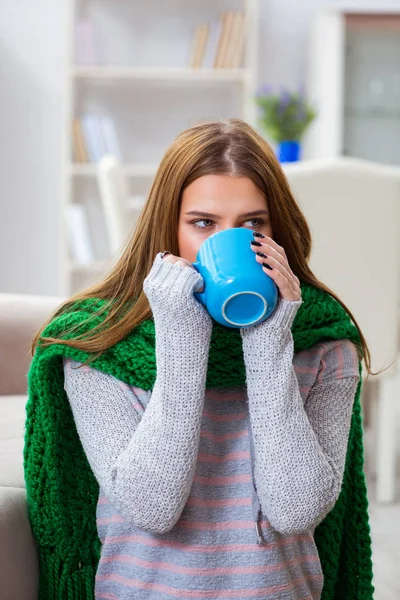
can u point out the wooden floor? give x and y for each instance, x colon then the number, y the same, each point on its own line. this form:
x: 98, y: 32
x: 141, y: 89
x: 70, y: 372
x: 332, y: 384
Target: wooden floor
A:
x: 385, y: 533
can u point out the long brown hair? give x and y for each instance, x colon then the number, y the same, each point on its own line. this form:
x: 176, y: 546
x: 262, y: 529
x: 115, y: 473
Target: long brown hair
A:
x: 228, y: 146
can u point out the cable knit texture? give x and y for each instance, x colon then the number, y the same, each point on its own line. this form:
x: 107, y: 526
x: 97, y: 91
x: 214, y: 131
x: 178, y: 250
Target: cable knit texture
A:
x: 62, y: 489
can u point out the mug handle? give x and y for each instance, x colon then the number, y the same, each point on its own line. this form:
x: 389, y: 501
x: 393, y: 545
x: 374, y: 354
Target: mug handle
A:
x: 201, y: 295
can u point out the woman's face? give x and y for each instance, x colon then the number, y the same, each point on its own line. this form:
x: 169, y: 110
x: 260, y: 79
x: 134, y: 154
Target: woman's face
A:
x: 216, y: 202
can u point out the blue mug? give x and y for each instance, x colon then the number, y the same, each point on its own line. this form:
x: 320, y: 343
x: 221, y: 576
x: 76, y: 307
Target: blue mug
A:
x: 237, y: 292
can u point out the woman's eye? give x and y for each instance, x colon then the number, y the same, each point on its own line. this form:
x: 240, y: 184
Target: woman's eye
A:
x: 260, y: 222
x: 201, y: 221
x: 195, y: 223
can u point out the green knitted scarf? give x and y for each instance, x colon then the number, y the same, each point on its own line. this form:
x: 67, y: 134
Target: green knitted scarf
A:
x: 62, y: 491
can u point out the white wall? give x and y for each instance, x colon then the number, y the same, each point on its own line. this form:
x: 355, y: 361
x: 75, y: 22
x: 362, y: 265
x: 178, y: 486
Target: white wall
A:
x: 283, y: 39
x: 32, y: 55
x: 31, y: 80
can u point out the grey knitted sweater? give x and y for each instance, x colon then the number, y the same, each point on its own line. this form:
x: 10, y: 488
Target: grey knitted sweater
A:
x: 215, y: 493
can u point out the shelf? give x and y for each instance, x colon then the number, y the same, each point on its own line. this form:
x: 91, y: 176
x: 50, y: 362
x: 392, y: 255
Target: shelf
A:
x: 157, y: 74
x: 89, y: 170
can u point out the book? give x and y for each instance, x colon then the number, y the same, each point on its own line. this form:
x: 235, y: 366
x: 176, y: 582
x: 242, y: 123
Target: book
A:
x: 85, y: 53
x: 231, y: 45
x: 240, y: 34
x: 227, y: 32
x: 78, y: 143
x: 100, y: 137
x: 98, y: 134
x: 110, y: 139
x: 203, y: 44
x: 79, y: 240
x: 91, y: 138
x: 212, y: 44
x: 198, y: 45
x: 98, y: 45
x: 195, y: 46
x: 80, y: 57
x: 88, y: 46
x: 221, y: 38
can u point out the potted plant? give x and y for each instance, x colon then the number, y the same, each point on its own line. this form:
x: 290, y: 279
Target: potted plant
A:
x: 285, y: 116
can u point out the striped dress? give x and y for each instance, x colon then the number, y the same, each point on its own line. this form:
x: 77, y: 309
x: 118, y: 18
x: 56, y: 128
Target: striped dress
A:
x: 213, y: 551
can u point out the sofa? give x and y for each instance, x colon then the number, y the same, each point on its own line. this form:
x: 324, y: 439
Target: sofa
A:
x: 20, y: 317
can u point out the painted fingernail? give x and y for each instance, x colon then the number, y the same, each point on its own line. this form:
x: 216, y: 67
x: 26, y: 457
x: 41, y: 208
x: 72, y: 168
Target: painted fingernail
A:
x: 254, y: 243
x: 262, y: 254
x: 267, y: 266
x: 258, y: 234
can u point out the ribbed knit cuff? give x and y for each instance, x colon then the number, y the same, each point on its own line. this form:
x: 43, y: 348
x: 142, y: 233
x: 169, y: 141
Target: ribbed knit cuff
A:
x: 283, y: 315
x: 279, y: 322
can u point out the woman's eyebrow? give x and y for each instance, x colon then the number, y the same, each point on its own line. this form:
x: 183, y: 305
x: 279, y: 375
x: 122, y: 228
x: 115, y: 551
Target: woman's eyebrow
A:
x: 207, y: 215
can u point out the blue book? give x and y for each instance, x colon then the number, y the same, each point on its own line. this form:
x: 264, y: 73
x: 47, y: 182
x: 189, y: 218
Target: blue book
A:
x: 93, y: 137
x: 110, y: 138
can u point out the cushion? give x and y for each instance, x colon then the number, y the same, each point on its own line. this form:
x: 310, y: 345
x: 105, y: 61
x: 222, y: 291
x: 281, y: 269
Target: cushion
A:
x: 19, y: 571
x: 12, y: 423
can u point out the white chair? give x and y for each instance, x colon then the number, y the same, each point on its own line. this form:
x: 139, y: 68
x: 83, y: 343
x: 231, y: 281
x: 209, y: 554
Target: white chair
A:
x: 352, y: 207
x: 113, y: 190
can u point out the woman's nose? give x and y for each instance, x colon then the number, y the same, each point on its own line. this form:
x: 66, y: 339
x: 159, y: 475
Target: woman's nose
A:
x: 228, y: 226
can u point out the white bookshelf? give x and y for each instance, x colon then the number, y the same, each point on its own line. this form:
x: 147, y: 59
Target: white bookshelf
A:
x: 144, y: 84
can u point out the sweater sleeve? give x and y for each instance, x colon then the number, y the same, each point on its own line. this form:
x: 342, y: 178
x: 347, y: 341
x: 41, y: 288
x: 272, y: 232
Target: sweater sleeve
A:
x: 300, y: 447
x: 145, y: 463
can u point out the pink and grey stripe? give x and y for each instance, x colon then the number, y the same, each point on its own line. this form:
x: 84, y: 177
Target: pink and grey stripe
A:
x: 212, y: 551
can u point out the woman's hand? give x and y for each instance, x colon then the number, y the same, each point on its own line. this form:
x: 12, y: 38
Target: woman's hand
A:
x: 171, y: 258
x: 267, y: 252
x: 169, y: 287
x: 168, y: 257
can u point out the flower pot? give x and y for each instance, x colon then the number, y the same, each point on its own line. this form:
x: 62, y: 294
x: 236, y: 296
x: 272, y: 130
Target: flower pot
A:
x: 289, y: 151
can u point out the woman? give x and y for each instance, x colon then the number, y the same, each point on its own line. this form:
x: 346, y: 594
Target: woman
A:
x: 216, y: 452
